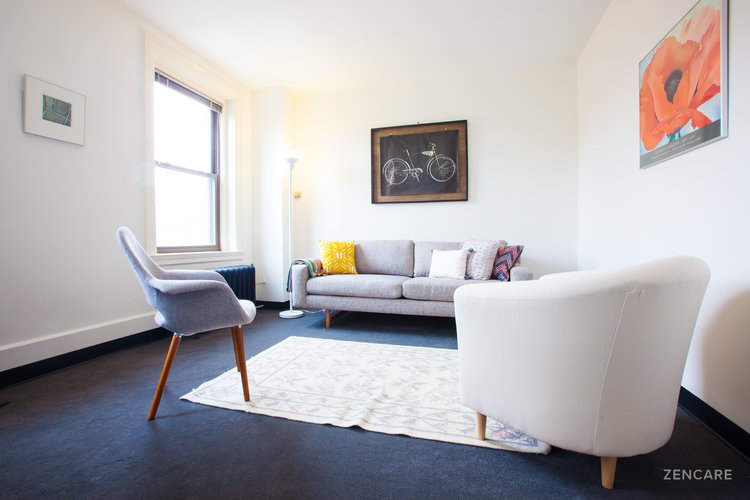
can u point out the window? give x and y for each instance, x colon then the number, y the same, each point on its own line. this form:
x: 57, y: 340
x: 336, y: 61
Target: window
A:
x: 186, y: 176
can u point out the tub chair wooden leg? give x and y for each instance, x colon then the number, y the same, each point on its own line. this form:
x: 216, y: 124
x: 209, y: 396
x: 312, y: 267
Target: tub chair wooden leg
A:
x: 608, y: 472
x: 481, y: 426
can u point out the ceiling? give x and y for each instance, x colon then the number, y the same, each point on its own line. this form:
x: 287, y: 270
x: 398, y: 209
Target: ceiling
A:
x: 312, y: 46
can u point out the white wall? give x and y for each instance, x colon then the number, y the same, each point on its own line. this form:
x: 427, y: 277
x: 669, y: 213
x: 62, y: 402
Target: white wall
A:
x: 66, y: 284
x: 694, y: 204
x: 273, y: 135
x: 521, y: 163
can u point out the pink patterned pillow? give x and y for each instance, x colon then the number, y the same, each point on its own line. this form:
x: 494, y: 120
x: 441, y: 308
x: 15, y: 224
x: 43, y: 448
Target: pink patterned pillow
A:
x: 505, y: 259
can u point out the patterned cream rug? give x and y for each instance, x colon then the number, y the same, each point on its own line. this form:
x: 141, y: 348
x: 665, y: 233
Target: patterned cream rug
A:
x: 378, y: 387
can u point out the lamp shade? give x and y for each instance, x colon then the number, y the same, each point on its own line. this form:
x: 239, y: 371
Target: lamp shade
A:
x: 293, y: 156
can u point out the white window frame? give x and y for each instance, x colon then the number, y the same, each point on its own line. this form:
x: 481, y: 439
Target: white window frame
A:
x: 168, y: 81
x: 160, y: 56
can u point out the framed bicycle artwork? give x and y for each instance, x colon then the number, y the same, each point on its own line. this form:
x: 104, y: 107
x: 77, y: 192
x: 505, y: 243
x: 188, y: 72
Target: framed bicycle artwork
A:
x: 422, y: 162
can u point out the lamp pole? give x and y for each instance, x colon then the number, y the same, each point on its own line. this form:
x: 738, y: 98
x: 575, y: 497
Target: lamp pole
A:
x: 291, y: 158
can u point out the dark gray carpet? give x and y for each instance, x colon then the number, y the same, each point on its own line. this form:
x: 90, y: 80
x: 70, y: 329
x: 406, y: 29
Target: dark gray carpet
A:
x: 82, y: 432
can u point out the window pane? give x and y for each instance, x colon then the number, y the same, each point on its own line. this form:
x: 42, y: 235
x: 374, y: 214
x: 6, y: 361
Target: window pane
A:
x: 185, y: 209
x: 182, y: 130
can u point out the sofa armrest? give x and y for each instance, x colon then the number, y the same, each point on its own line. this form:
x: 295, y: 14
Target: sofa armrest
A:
x: 300, y: 275
x: 520, y: 273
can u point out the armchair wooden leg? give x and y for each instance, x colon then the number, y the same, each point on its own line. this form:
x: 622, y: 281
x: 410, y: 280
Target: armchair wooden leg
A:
x: 164, y: 374
x: 239, y: 351
x: 236, y: 352
x: 481, y: 426
x: 608, y: 472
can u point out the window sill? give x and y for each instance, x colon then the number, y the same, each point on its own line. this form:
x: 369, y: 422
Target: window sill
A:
x: 168, y: 259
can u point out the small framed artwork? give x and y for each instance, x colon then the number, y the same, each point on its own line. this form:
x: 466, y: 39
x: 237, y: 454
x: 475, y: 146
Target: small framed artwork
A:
x: 683, y: 86
x: 423, y: 162
x: 52, y: 111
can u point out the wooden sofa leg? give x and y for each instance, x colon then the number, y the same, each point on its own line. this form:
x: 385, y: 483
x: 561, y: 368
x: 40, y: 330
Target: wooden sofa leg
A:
x: 481, y: 426
x: 330, y: 317
x: 609, y: 464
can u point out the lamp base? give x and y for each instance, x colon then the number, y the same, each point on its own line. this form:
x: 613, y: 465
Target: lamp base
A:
x: 291, y: 314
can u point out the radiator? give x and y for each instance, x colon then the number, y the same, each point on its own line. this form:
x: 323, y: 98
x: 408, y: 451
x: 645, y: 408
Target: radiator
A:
x: 241, y: 279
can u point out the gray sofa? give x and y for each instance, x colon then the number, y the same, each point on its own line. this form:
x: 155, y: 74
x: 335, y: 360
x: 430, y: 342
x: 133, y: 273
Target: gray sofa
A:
x: 392, y: 277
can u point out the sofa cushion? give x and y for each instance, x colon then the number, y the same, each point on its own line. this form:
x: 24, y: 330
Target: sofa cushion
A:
x: 433, y: 288
x: 481, y: 258
x: 423, y: 254
x: 357, y: 285
x: 394, y: 257
x: 337, y: 257
x: 449, y: 264
x: 506, y: 258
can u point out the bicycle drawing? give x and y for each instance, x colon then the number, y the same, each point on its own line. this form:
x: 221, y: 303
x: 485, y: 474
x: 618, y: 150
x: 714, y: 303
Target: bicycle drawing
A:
x: 421, y: 162
x: 440, y: 168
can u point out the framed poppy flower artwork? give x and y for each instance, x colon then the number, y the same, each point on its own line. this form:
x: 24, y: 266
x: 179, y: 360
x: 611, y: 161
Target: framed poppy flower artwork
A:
x: 683, y: 86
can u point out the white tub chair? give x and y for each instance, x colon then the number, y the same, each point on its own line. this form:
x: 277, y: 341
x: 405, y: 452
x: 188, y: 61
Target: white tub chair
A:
x: 589, y: 361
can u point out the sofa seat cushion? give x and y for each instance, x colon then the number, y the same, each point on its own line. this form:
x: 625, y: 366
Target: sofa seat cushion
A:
x: 434, y: 288
x: 379, y: 286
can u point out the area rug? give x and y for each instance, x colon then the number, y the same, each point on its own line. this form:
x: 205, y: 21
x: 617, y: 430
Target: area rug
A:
x: 378, y: 387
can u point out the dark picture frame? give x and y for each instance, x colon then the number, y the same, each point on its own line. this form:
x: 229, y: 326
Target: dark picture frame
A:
x: 683, y: 86
x: 419, y: 163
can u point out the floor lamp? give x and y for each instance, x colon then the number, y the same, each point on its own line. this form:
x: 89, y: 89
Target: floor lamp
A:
x: 291, y: 158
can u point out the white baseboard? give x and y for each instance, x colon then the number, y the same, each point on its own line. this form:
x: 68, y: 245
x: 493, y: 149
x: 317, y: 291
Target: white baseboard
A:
x: 33, y: 350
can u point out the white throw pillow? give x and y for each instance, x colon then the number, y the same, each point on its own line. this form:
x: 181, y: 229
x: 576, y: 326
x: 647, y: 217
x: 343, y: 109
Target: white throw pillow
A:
x: 448, y: 264
x: 481, y: 258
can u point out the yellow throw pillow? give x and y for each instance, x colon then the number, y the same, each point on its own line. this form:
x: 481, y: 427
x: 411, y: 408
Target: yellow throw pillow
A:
x: 337, y: 257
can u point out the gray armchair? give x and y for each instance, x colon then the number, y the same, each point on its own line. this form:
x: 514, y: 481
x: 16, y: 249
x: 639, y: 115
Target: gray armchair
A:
x: 188, y: 302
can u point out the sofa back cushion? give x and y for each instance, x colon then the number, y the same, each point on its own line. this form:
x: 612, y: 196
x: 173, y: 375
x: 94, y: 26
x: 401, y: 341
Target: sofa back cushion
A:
x: 384, y: 257
x: 423, y: 254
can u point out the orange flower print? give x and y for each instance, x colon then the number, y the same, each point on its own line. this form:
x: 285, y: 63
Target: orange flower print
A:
x: 684, y: 73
